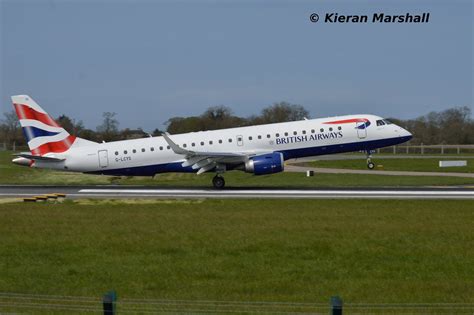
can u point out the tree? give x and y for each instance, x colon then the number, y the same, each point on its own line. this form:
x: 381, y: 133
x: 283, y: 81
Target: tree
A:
x: 128, y: 133
x: 156, y: 132
x: 89, y: 134
x: 219, y: 117
x: 183, y: 125
x: 109, y: 128
x: 282, y: 112
x: 70, y: 124
x: 451, y: 126
x: 11, y: 128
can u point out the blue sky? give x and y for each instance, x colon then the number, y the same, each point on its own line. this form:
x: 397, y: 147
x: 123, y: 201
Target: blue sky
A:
x: 152, y: 60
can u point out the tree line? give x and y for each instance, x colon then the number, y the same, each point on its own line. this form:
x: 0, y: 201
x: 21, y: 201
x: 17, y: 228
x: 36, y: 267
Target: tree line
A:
x: 451, y: 126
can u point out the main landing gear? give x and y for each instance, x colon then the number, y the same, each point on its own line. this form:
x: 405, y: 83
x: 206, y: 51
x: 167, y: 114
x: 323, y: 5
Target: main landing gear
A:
x: 218, y: 182
x: 370, y: 164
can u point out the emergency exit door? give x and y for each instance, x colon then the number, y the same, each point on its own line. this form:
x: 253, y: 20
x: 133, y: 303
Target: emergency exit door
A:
x: 240, y: 141
x: 103, y: 158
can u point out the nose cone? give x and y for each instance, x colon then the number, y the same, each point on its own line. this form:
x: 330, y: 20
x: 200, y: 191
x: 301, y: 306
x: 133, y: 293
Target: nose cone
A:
x: 405, y: 134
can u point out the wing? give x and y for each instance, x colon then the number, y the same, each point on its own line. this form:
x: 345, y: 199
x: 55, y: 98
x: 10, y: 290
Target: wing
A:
x: 205, y: 161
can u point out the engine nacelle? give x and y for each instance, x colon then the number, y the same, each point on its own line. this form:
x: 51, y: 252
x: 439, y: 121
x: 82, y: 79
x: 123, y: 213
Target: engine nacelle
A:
x: 265, y: 164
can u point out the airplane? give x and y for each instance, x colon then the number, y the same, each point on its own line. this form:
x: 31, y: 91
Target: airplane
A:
x: 260, y: 149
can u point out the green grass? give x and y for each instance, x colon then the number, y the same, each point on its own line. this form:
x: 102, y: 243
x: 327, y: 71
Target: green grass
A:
x: 404, y: 164
x: 252, y: 250
x: 15, y: 174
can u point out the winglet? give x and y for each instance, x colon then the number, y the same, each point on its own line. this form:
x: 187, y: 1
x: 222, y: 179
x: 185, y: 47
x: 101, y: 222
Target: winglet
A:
x: 176, y: 148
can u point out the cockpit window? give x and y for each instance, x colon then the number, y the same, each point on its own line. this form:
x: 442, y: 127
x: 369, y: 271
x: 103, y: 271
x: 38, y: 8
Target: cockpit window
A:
x: 387, y: 122
x: 380, y: 122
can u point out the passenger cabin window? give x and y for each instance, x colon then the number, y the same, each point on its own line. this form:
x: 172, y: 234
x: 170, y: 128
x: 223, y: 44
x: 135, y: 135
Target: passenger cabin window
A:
x: 125, y: 152
x: 250, y: 137
x: 321, y: 130
x: 260, y: 137
x: 152, y: 149
x: 268, y: 136
x: 304, y: 132
x: 116, y: 152
x: 143, y: 150
x: 277, y: 135
x: 312, y: 130
x: 339, y: 128
x: 202, y: 142
x: 380, y: 122
x: 161, y: 148
x: 193, y: 144
x: 286, y: 134
x: 330, y: 128
x: 230, y: 140
x: 184, y: 145
x: 295, y: 133
x: 220, y: 140
x: 210, y: 142
x: 134, y: 151
x: 167, y: 147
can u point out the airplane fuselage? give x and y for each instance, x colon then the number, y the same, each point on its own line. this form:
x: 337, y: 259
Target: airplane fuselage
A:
x: 153, y: 155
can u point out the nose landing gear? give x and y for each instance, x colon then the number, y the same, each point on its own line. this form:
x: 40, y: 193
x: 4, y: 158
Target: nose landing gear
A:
x: 218, y: 182
x: 370, y: 164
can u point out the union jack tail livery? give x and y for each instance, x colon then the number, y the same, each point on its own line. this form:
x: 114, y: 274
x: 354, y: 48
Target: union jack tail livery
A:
x: 42, y: 133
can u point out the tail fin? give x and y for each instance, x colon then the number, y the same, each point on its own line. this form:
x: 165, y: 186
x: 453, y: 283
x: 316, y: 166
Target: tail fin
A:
x: 42, y: 133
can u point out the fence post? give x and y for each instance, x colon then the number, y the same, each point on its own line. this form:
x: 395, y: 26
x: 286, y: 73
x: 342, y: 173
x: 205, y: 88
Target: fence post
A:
x: 442, y: 149
x: 459, y: 150
x: 109, y: 303
x: 407, y: 149
x: 336, y: 305
x: 422, y: 149
x: 394, y: 149
x: 14, y: 146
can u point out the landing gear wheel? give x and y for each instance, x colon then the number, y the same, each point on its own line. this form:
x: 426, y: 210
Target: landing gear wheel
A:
x: 370, y: 166
x: 218, y: 182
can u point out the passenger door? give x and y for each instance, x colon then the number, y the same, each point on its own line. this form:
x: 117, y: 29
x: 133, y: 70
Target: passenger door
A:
x: 361, y: 130
x: 103, y: 158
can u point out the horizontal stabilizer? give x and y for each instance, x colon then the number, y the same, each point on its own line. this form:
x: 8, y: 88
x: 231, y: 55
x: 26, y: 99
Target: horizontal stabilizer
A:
x: 28, y: 155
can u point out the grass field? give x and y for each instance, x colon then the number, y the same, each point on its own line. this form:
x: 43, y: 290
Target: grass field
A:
x: 14, y: 174
x: 252, y: 250
x: 417, y: 165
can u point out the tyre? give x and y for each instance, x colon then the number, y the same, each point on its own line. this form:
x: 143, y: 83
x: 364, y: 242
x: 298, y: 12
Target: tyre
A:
x: 218, y: 182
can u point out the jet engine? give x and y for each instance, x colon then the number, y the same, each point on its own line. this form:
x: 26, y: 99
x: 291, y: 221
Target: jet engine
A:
x: 265, y: 164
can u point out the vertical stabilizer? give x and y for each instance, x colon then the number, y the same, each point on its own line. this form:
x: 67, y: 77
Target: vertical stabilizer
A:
x: 42, y: 133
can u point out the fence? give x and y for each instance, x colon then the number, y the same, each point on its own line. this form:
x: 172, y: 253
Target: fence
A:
x: 109, y: 305
x: 13, y: 147
x: 429, y: 149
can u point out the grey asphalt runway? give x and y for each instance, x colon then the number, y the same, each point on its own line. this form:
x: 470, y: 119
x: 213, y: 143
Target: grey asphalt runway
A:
x: 105, y: 192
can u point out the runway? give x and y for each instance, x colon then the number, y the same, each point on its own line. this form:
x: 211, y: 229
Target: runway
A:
x: 131, y: 192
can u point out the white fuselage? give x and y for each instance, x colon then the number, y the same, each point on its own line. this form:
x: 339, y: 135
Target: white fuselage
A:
x: 149, y: 156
